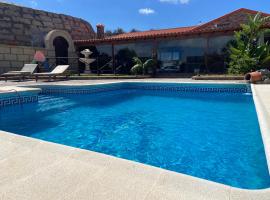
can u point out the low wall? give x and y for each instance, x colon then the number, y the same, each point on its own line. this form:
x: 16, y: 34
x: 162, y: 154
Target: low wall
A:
x: 14, y: 57
x: 218, y: 77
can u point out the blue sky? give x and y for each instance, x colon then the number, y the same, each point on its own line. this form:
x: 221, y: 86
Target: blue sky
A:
x: 145, y: 14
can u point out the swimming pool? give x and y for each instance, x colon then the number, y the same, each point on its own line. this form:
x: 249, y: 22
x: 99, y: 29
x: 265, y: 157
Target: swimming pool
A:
x: 206, y: 131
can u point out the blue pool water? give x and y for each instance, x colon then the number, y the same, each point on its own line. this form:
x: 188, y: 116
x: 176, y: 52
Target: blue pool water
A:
x: 207, y: 135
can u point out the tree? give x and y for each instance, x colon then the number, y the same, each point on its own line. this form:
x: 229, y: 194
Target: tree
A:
x: 141, y: 67
x: 108, y: 33
x: 249, y: 52
x: 118, y: 31
x: 134, y: 30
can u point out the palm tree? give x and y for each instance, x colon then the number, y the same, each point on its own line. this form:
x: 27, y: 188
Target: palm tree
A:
x: 141, y: 67
x: 248, y: 51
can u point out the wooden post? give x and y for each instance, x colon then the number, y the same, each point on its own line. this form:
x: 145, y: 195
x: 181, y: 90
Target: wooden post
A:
x: 155, y: 56
x: 98, y: 72
x: 113, y: 60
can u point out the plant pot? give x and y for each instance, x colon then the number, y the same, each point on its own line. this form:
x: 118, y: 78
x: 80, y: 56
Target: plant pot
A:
x: 253, y: 77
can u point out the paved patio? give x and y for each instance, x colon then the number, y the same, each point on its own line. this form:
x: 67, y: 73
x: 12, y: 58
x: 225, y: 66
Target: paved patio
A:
x: 35, y: 169
x: 87, y: 82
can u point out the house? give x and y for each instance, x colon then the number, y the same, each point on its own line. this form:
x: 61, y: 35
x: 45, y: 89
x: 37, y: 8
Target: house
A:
x: 191, y: 49
x: 61, y: 37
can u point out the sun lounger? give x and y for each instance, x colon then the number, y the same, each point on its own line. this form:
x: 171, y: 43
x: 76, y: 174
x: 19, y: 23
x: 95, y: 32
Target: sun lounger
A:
x: 27, y: 69
x: 58, y: 71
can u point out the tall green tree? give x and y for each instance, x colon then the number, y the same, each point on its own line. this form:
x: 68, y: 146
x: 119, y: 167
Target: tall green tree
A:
x: 249, y: 52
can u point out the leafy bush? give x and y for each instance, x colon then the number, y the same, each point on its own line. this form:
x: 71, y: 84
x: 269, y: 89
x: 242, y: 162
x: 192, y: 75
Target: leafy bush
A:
x: 249, y: 53
x: 141, y: 67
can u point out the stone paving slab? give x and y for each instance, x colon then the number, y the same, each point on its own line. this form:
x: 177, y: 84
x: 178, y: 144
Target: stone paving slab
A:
x: 44, y: 170
x: 91, y: 82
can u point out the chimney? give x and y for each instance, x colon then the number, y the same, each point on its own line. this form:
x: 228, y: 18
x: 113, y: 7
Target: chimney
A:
x: 100, y: 31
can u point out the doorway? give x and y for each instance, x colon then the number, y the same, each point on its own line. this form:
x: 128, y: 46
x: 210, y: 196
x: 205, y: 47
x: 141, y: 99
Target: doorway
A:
x: 61, y: 50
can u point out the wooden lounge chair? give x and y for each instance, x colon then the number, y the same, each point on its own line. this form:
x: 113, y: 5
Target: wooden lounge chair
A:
x: 58, y: 71
x: 27, y: 70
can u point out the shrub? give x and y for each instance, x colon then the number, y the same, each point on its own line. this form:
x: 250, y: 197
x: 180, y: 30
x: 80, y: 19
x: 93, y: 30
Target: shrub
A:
x: 141, y: 67
x: 249, y: 53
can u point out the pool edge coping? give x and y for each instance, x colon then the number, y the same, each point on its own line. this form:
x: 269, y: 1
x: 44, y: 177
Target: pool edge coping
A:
x: 263, y: 119
x: 178, y: 177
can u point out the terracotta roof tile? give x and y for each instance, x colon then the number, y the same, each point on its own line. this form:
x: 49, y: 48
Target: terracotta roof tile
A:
x: 241, y: 10
x: 146, y: 34
x: 174, y: 32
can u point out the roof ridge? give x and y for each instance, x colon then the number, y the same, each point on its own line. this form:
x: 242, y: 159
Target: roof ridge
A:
x: 149, y: 31
x: 229, y: 14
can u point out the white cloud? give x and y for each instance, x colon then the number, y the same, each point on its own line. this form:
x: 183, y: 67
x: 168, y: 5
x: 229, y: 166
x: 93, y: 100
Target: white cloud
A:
x: 175, y: 1
x: 33, y: 3
x: 184, y: 1
x: 146, y: 11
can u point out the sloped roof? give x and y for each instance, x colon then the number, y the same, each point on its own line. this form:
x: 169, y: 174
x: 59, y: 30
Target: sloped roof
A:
x: 154, y: 33
x: 235, y: 18
x: 143, y: 35
x: 228, y: 22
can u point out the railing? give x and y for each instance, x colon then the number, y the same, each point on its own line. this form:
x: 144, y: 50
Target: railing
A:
x: 51, y: 63
x: 100, y: 69
x: 74, y: 65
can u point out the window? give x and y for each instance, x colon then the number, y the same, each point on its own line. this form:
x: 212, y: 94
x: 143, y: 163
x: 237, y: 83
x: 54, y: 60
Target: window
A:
x: 218, y: 44
x: 267, y: 39
x: 176, y: 55
x: 169, y: 55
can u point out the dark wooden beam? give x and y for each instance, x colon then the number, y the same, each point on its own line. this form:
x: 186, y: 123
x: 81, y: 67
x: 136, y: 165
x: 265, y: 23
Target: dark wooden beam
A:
x: 155, y: 56
x: 206, y: 62
x: 113, y: 59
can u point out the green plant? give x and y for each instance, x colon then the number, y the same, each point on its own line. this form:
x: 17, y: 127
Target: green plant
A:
x: 124, y: 58
x: 141, y: 67
x: 249, y: 52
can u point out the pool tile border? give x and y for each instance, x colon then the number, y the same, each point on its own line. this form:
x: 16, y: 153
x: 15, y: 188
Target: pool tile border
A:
x: 177, y: 87
x: 18, y: 96
x: 25, y: 96
x: 8, y: 101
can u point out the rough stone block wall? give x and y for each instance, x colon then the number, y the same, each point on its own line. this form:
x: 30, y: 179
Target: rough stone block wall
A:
x: 14, y: 57
x: 28, y: 27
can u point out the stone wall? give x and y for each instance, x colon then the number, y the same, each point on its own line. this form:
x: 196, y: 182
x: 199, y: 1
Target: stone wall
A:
x: 14, y: 57
x: 28, y: 27
x: 23, y: 31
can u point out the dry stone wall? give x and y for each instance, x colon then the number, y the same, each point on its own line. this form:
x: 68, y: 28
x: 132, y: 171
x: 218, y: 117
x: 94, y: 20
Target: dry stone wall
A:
x: 28, y: 27
x: 23, y: 31
x: 14, y: 57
